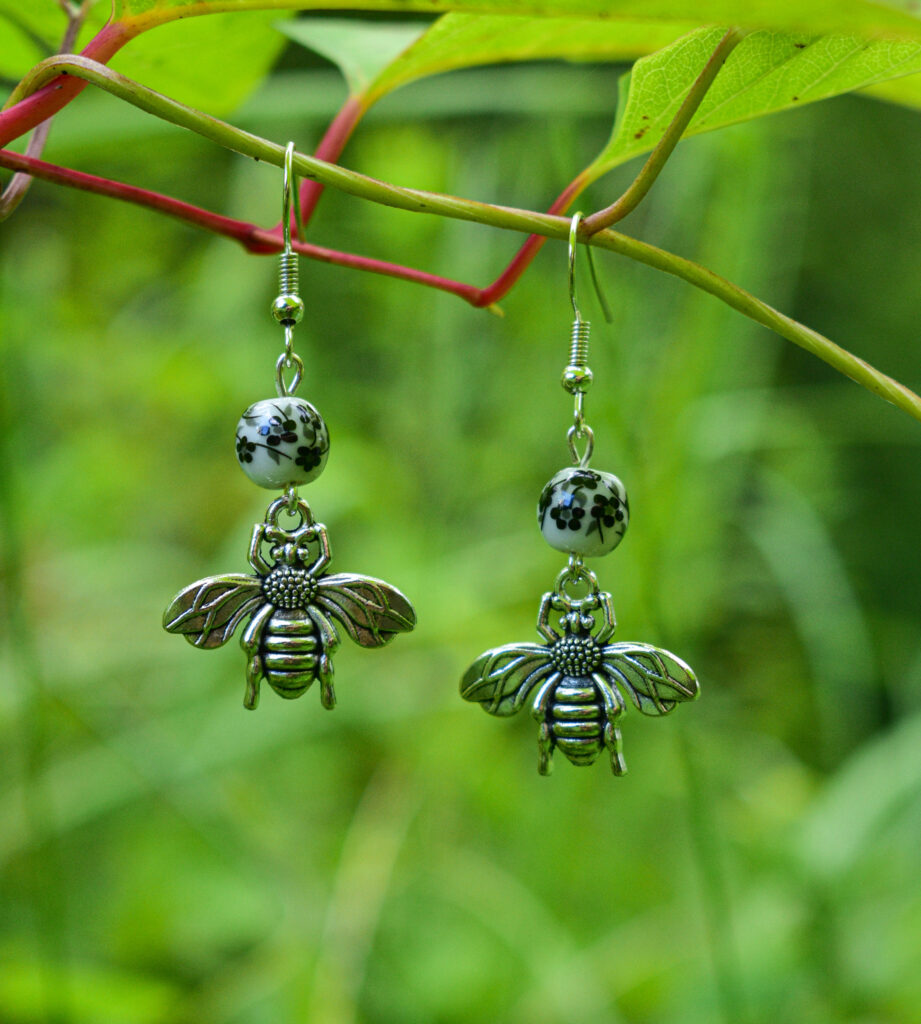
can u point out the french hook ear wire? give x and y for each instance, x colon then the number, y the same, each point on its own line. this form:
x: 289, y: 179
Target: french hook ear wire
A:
x: 573, y: 242
x: 596, y: 283
x: 288, y: 307
x: 577, y: 376
x: 290, y: 196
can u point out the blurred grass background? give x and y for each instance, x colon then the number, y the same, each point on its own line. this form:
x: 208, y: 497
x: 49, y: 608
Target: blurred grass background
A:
x: 167, y: 857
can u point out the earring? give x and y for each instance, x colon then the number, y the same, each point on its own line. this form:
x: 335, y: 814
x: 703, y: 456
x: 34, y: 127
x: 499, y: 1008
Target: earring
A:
x: 290, y: 600
x: 578, y: 679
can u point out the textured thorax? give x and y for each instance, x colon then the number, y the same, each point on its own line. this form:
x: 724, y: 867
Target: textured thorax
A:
x: 287, y: 587
x: 576, y: 655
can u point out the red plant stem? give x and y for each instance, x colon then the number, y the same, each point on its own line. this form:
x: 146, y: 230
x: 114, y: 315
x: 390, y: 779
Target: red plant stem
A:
x: 330, y: 149
x: 253, y: 238
x: 48, y: 100
x: 524, y: 257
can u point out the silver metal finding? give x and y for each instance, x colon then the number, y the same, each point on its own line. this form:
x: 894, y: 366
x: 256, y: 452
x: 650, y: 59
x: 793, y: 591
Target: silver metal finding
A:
x: 285, y: 362
x: 293, y: 503
x: 577, y: 376
x: 573, y: 242
x: 288, y: 307
x: 579, y: 433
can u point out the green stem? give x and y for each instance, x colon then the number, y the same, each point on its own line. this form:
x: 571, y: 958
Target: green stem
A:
x: 644, y: 181
x: 508, y: 218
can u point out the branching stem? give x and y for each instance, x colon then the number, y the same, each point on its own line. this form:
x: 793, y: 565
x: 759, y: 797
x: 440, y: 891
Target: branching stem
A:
x: 19, y: 184
x: 546, y: 225
x: 644, y: 181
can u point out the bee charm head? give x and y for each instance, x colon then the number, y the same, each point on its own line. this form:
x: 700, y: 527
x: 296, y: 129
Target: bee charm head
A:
x: 292, y: 606
x: 576, y: 681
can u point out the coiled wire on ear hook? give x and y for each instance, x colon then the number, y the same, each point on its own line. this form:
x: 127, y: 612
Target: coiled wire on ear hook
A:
x: 288, y: 307
x: 577, y: 376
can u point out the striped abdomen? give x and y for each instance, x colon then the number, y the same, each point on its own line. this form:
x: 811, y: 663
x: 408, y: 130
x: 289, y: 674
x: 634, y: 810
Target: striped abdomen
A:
x: 576, y: 717
x: 289, y: 652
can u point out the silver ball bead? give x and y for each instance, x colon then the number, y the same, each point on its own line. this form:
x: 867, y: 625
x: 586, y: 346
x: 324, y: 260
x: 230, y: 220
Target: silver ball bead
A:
x: 577, y: 379
x: 288, y: 309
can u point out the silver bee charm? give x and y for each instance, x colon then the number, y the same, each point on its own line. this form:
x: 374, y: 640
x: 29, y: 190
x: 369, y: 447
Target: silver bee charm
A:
x: 291, y: 604
x: 578, y: 679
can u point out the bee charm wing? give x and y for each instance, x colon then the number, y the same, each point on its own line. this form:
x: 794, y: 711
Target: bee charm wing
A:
x: 502, y: 678
x: 207, y: 612
x: 373, y: 612
x: 656, y: 680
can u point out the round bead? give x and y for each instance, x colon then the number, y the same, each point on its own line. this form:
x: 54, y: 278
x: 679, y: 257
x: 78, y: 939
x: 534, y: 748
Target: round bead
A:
x: 577, y: 379
x: 282, y: 441
x: 288, y: 309
x: 583, y: 511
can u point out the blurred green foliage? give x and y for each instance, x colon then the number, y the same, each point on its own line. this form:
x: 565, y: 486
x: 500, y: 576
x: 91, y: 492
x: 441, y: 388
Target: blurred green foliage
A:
x: 166, y: 856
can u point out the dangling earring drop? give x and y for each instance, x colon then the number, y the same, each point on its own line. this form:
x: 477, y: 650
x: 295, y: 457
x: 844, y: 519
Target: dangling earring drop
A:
x: 291, y: 603
x: 576, y: 680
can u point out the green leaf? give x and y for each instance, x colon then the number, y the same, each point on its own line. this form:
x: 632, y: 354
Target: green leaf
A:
x: 464, y: 40
x: 767, y: 72
x: 892, y: 18
x: 28, y: 34
x: 210, y: 63
x: 360, y: 49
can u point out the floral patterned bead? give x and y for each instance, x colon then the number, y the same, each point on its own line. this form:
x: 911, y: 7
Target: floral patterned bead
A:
x: 583, y: 511
x: 282, y: 441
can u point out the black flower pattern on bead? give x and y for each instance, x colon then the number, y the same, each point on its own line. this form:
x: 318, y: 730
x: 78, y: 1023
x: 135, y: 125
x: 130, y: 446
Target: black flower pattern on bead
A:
x: 606, y: 512
x: 279, y: 430
x: 309, y: 458
x: 567, y: 516
x: 245, y: 448
x: 584, y: 479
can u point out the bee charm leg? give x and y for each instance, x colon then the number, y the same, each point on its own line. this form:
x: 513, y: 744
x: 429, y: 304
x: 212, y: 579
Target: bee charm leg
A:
x: 614, y: 744
x: 325, y: 675
x: 250, y: 640
x: 545, y: 741
x: 329, y: 641
x: 613, y: 707
x: 253, y: 677
x: 545, y: 749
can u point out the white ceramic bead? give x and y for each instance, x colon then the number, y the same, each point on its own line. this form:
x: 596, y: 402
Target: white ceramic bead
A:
x: 583, y: 511
x: 282, y: 441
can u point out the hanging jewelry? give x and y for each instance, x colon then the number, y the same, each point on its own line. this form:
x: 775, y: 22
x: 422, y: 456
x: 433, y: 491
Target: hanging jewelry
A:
x: 576, y: 680
x: 291, y: 603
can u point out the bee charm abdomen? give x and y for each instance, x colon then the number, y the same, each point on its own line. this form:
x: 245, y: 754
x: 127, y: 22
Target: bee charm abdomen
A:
x: 289, y: 652
x: 577, y: 719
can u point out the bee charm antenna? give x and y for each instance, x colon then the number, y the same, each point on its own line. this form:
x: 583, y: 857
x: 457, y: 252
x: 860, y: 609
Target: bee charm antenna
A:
x: 576, y: 681
x: 293, y: 608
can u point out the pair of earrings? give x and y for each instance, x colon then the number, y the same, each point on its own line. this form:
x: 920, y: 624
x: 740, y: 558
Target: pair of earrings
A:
x: 576, y: 680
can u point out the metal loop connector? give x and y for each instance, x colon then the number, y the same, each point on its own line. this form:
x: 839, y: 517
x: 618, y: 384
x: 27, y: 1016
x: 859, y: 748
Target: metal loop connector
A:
x: 573, y: 575
x: 301, y: 508
x: 574, y: 434
x: 285, y: 362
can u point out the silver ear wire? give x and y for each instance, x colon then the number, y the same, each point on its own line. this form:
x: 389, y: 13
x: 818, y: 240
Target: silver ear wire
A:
x: 288, y: 307
x: 577, y: 376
